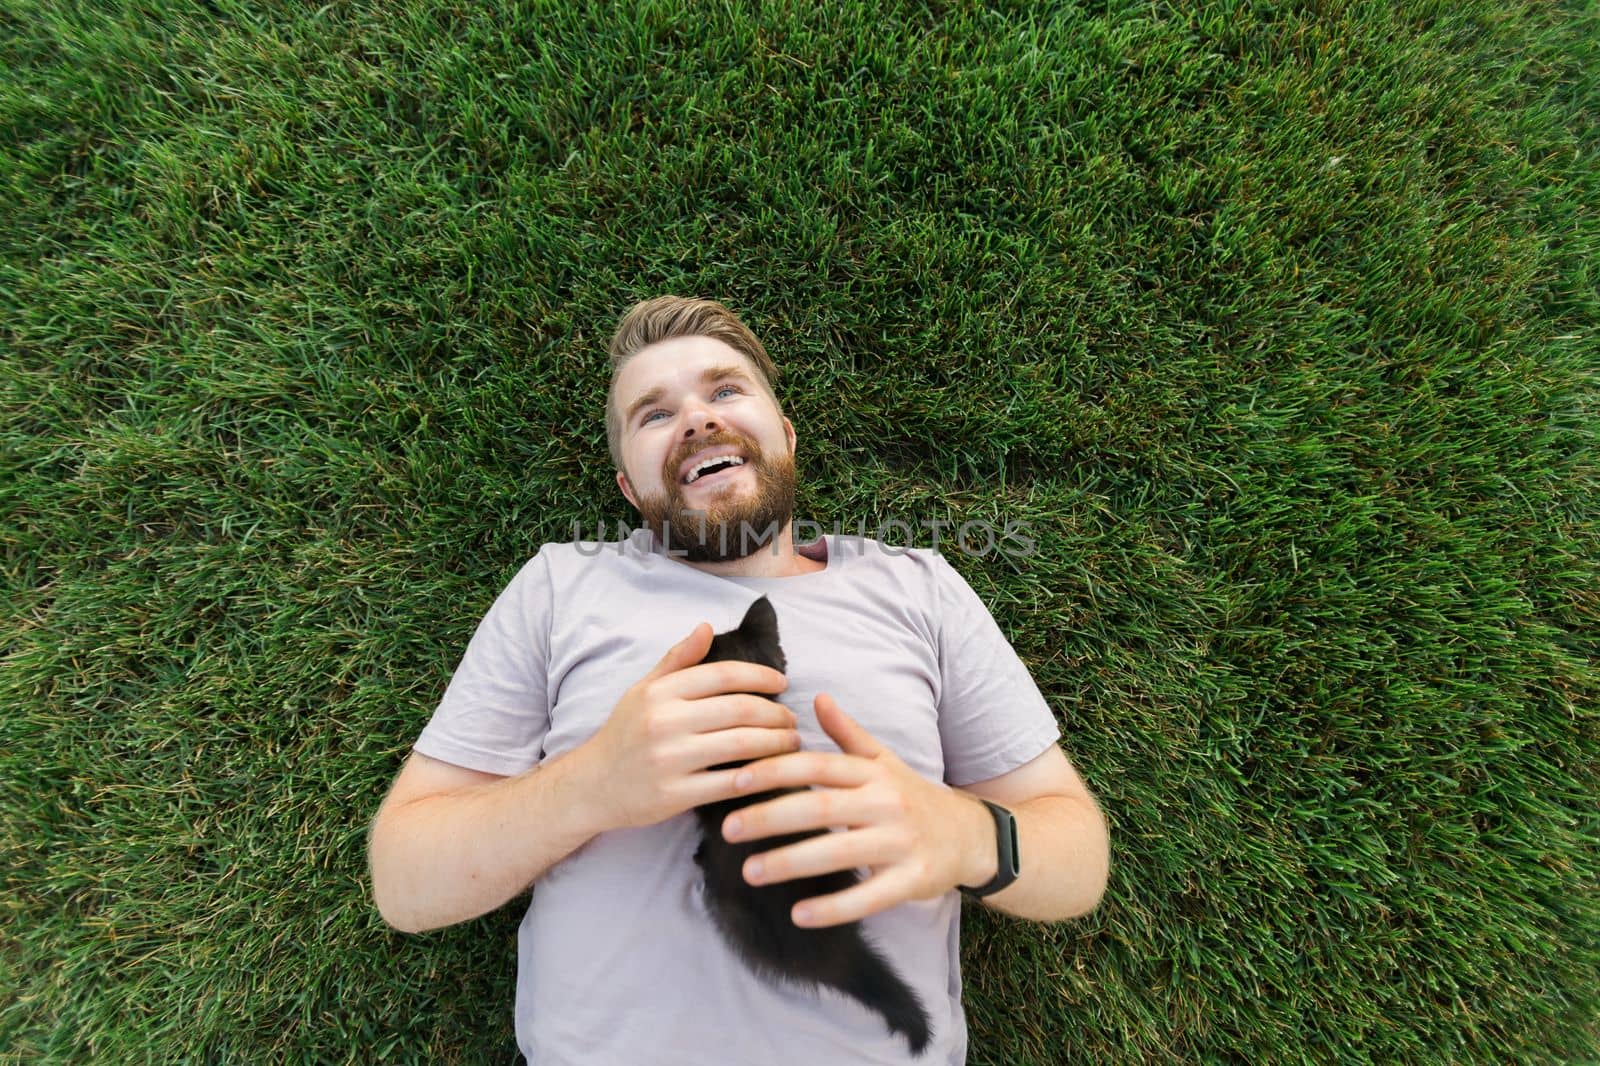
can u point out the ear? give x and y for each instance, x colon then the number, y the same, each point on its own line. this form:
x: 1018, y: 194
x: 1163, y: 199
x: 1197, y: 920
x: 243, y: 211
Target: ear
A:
x: 627, y: 491
x: 788, y: 431
x: 760, y: 626
x: 760, y: 616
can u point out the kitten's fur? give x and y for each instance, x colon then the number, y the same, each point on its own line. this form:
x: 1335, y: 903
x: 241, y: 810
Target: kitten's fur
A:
x: 755, y: 919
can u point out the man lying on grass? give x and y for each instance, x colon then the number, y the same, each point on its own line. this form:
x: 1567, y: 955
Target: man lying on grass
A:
x: 861, y: 723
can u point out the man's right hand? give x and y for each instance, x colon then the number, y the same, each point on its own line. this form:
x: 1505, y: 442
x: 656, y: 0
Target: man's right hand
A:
x: 650, y: 757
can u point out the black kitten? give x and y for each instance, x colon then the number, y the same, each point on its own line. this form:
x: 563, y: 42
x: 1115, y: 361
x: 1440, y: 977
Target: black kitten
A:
x: 754, y: 919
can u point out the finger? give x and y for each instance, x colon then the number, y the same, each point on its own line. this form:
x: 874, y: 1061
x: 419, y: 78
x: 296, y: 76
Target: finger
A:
x: 725, y: 712
x: 883, y: 890
x: 799, y: 812
x: 685, y: 653
x: 845, y: 731
x: 716, y: 679
x: 825, y: 854
x: 728, y: 745
x: 700, y: 787
x: 829, y: 768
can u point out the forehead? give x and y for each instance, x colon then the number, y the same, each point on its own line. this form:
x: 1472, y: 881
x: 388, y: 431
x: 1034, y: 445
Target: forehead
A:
x: 679, y: 361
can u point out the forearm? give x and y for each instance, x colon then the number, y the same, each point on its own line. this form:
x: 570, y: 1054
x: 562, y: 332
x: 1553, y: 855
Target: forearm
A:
x: 447, y: 859
x: 1066, y: 858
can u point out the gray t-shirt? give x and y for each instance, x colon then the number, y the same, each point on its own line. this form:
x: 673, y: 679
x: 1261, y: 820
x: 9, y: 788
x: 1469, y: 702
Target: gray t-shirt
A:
x: 617, y: 958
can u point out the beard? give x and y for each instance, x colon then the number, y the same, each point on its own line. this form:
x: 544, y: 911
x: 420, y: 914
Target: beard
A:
x: 731, y: 522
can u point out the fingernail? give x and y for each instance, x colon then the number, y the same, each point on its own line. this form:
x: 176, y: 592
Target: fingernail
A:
x: 742, y: 780
x: 733, y: 826
x: 802, y: 915
x: 752, y: 870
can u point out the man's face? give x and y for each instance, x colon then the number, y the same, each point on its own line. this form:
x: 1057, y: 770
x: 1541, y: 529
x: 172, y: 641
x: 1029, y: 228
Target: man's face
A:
x: 684, y: 400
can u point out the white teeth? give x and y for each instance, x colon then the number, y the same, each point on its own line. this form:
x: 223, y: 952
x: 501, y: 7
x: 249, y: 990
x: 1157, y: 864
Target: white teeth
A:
x: 694, y: 473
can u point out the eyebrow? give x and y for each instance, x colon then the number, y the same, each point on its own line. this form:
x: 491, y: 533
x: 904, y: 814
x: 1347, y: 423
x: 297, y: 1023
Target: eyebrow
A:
x: 715, y: 373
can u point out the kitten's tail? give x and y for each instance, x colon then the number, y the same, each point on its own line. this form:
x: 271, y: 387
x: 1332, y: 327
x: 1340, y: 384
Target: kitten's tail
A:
x: 870, y: 980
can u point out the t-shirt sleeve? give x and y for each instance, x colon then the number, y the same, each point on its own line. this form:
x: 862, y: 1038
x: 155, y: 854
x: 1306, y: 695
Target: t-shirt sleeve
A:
x: 992, y: 716
x: 495, y: 712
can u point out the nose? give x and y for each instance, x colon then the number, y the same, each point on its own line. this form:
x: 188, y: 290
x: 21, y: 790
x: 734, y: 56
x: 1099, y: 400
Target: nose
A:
x: 701, y: 417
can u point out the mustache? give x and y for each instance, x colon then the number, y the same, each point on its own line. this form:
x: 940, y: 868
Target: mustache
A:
x: 751, y: 450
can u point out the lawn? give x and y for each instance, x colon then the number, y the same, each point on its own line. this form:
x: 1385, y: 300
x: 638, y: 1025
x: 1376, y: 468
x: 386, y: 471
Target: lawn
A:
x: 1277, y: 325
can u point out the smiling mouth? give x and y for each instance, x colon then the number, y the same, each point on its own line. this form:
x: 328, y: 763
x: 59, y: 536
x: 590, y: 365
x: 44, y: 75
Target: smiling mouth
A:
x: 715, y: 477
x: 712, y: 467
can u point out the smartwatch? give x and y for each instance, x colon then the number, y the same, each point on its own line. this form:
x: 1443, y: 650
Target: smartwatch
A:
x: 1010, y: 863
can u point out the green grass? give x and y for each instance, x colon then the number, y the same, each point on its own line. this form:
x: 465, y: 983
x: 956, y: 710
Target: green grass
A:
x: 1277, y: 325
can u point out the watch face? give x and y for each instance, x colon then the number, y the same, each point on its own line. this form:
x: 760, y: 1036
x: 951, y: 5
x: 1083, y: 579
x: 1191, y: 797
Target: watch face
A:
x: 1010, y: 853
x: 1007, y: 861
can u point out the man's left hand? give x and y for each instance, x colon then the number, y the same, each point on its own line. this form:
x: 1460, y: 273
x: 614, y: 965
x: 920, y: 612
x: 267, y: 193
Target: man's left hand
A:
x: 920, y: 839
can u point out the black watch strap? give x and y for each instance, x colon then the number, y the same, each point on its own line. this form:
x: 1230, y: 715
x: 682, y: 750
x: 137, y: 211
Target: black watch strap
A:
x: 1010, y: 862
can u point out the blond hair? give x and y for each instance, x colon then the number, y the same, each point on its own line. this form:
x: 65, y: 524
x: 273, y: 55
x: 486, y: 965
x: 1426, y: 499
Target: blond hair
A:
x: 664, y: 318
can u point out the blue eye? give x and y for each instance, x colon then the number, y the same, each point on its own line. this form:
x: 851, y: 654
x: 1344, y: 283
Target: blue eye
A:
x: 720, y: 389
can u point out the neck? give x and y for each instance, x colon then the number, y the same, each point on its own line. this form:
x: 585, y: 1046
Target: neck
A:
x: 776, y: 559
